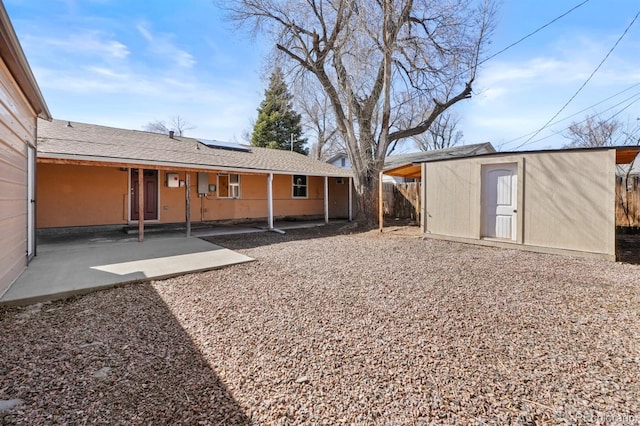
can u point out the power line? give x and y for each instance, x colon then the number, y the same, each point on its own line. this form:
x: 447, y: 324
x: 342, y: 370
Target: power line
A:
x: 515, y: 43
x: 583, y: 84
x: 580, y: 112
x: 637, y: 96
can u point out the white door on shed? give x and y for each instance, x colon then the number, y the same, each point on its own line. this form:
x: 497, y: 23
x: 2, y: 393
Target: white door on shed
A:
x: 500, y: 200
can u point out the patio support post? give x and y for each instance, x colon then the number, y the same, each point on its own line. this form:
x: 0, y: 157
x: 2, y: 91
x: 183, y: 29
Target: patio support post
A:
x: 187, y: 196
x: 270, y: 200
x: 326, y: 200
x: 141, y: 208
x: 350, y: 199
x: 380, y: 203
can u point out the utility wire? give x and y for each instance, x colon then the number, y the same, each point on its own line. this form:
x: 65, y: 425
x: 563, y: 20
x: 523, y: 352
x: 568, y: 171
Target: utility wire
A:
x: 637, y: 96
x: 580, y: 112
x: 583, y: 84
x: 515, y: 43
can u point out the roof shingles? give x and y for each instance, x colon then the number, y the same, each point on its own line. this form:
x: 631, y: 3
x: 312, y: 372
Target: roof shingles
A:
x: 89, y: 142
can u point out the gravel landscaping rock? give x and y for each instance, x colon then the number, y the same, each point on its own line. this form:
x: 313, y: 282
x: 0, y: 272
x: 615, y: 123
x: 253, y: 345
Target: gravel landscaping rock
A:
x: 330, y: 328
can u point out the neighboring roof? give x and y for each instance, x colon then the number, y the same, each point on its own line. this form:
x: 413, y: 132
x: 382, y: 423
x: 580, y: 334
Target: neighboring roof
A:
x: 89, y: 143
x: 408, y: 165
x: 337, y: 157
x: 15, y: 60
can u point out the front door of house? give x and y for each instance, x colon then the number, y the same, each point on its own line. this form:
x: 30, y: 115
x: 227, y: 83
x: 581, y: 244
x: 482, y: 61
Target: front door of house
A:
x: 150, y: 187
x: 500, y: 201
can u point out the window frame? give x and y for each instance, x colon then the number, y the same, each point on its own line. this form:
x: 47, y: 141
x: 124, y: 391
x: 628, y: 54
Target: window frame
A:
x: 233, y: 188
x: 305, y: 185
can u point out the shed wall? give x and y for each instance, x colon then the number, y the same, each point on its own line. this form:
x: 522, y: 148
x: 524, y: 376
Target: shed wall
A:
x: 17, y: 131
x: 566, y: 200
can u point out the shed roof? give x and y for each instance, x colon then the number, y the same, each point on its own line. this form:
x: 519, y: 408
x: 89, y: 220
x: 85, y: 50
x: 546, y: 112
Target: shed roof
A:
x: 13, y: 56
x: 624, y: 155
x: 93, y: 144
x: 408, y: 165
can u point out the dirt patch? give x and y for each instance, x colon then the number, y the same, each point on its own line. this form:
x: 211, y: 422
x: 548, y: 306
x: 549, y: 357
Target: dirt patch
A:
x: 628, y: 247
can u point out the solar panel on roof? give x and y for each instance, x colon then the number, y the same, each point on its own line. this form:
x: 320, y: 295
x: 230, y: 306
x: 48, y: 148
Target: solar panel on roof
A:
x: 232, y: 146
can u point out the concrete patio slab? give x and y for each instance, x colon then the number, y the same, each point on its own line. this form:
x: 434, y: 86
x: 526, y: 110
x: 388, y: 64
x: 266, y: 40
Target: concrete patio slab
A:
x: 63, y: 269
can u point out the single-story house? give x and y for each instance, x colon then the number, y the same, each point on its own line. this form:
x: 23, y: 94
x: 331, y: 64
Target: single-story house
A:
x: 554, y: 201
x: 21, y: 102
x: 90, y: 175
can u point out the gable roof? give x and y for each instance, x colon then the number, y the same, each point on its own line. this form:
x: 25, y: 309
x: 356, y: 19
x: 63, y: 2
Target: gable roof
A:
x: 90, y: 143
x: 337, y: 156
x: 408, y: 165
x: 13, y: 56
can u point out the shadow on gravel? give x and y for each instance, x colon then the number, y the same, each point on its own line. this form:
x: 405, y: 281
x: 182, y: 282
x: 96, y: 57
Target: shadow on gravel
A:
x: 252, y: 240
x: 112, y: 357
x: 628, y: 247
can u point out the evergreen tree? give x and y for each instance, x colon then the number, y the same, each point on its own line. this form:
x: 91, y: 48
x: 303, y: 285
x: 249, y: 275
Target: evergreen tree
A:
x: 277, y: 120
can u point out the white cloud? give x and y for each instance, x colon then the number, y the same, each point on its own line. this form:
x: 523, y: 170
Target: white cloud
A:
x: 142, y: 29
x: 162, y: 45
x: 86, y: 42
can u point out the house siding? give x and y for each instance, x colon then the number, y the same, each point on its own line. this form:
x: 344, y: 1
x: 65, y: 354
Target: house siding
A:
x: 17, y: 132
x: 566, y: 200
x: 78, y: 195
x: 81, y: 196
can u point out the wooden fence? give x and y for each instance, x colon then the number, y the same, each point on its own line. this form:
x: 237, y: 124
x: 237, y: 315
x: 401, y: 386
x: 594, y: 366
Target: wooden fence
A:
x: 401, y: 200
x: 628, y: 201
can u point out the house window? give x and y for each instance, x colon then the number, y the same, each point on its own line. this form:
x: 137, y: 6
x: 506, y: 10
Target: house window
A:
x: 229, y: 185
x: 299, y: 186
x: 343, y: 162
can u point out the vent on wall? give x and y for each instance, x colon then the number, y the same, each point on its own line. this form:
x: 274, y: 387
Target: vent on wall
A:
x: 230, y: 146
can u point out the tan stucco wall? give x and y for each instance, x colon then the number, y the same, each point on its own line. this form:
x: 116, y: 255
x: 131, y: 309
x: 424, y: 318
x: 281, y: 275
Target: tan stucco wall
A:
x: 71, y: 195
x: 17, y: 131
x: 566, y: 200
x: 81, y: 196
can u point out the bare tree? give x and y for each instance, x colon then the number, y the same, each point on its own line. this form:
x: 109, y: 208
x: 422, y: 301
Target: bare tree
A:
x: 178, y: 124
x: 594, y: 131
x: 381, y: 64
x: 443, y: 133
x: 156, y: 126
x: 317, y: 119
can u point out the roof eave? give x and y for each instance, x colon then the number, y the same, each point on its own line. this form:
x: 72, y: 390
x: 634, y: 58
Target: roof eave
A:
x: 131, y: 162
x: 16, y: 61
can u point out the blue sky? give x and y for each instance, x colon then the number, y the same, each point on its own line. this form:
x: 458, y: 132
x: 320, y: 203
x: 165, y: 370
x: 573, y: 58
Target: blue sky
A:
x: 126, y: 63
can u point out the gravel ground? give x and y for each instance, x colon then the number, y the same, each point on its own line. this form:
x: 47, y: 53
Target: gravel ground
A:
x: 330, y: 328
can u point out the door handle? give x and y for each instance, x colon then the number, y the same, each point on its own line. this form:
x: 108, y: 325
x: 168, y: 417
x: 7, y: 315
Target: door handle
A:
x: 515, y: 211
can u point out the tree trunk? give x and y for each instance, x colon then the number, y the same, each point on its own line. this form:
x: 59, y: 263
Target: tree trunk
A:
x: 367, y: 191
